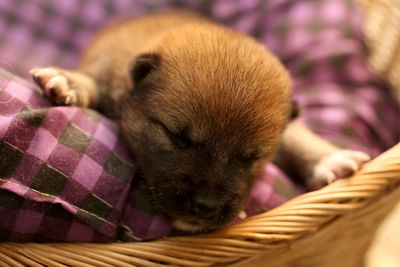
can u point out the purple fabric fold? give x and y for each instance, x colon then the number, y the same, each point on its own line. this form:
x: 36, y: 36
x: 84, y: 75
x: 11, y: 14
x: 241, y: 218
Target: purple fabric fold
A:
x: 65, y: 175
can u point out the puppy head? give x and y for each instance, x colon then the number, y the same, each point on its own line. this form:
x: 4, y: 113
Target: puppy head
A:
x: 206, y: 113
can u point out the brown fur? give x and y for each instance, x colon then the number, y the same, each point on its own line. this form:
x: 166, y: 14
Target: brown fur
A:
x: 202, y: 108
x: 223, y: 99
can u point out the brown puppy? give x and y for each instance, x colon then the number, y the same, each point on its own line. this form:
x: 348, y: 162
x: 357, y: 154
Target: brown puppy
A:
x: 202, y: 108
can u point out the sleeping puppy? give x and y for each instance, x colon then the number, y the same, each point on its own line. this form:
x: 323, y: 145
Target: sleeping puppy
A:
x: 202, y: 109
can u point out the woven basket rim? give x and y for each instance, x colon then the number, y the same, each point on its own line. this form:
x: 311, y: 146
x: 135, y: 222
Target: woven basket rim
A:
x: 279, y: 227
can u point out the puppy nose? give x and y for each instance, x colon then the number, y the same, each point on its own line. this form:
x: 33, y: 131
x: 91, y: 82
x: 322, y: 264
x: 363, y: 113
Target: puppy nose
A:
x: 206, y: 204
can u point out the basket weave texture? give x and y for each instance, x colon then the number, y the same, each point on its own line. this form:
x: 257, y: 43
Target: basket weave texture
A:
x: 382, y: 34
x: 329, y: 227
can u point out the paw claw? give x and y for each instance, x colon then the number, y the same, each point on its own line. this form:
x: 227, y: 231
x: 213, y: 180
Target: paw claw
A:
x: 337, y: 165
x: 55, y: 85
x: 68, y: 100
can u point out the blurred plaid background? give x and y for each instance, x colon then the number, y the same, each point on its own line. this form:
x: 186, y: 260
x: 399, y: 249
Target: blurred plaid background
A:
x: 320, y: 42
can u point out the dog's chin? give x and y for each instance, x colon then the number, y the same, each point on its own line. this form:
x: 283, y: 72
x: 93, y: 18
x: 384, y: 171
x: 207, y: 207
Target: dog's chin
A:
x: 189, y: 226
x: 197, y: 226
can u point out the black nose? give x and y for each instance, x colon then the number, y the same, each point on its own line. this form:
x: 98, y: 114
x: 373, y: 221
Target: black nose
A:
x: 205, y: 203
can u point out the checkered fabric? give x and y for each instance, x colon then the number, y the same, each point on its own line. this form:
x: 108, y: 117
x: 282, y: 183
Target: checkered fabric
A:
x: 319, y: 41
x: 64, y: 175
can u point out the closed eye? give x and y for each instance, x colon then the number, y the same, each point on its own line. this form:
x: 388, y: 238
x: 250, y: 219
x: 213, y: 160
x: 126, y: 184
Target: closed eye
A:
x: 180, y: 139
x: 249, y: 158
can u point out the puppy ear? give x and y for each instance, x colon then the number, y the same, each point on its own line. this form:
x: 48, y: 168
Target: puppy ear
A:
x: 294, y: 109
x: 143, y: 65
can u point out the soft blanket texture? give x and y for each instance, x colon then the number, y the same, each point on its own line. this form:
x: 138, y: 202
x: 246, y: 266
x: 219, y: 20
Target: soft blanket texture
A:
x: 65, y: 175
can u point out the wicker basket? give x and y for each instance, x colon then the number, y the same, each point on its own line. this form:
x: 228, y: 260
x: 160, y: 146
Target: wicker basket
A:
x: 329, y: 227
x: 382, y: 33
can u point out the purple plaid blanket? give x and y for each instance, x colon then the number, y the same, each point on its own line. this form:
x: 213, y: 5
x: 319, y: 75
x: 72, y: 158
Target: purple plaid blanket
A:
x: 65, y: 175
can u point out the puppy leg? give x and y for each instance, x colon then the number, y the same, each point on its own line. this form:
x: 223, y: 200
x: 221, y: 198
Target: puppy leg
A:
x: 306, y: 156
x: 66, y: 87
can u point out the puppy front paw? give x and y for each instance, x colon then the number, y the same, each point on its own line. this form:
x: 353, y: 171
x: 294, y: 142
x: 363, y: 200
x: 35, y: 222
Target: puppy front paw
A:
x: 55, y: 86
x: 337, y: 165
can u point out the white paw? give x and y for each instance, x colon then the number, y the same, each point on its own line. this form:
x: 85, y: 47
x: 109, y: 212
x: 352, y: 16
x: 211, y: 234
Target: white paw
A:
x: 337, y: 165
x: 55, y: 86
